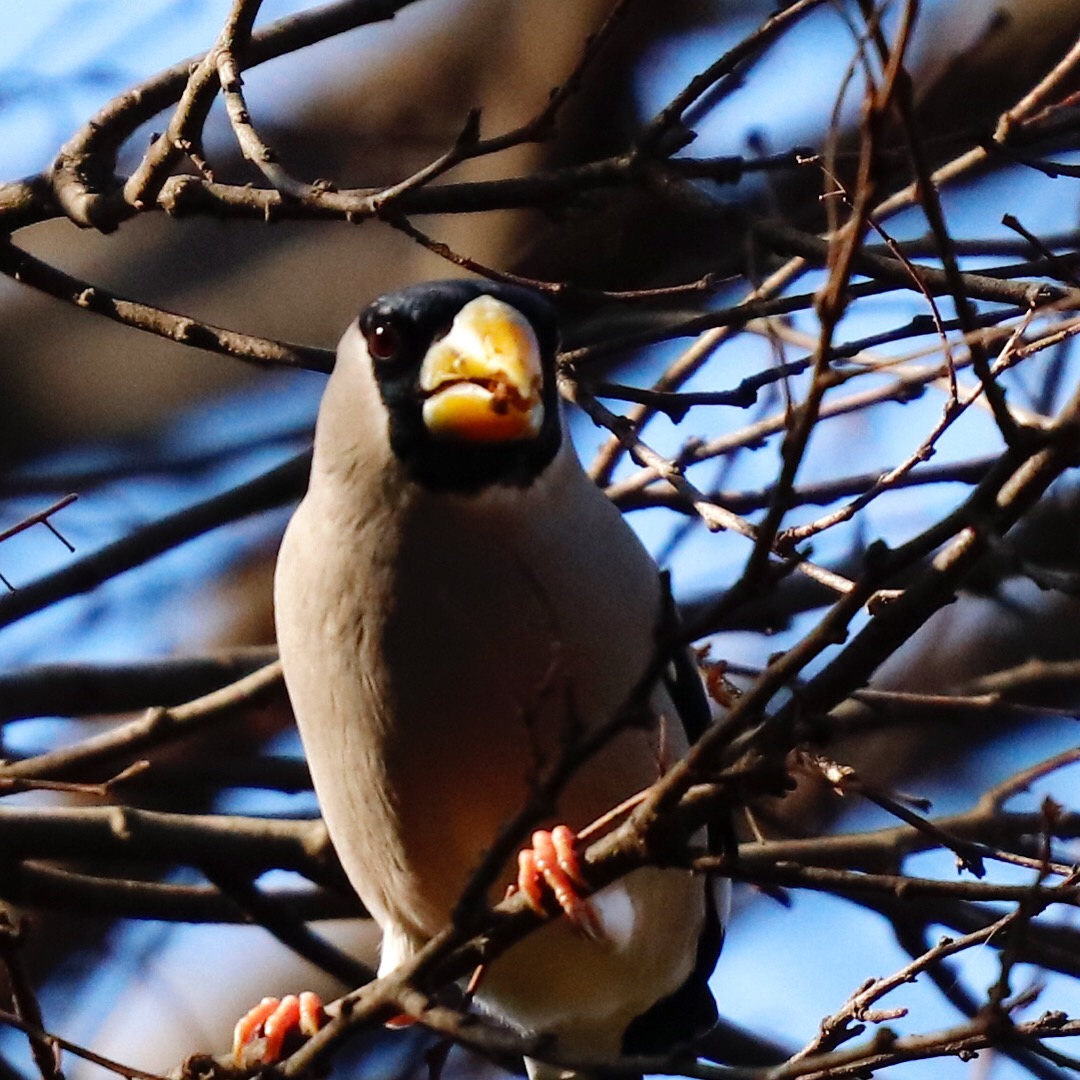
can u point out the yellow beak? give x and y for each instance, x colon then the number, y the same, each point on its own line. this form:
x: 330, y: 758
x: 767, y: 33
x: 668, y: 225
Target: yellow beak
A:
x: 482, y: 382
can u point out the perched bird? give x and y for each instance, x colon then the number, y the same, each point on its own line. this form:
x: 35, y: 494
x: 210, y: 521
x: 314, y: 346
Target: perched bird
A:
x: 456, y: 605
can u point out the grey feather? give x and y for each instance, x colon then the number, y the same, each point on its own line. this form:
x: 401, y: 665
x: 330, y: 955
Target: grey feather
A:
x: 440, y: 649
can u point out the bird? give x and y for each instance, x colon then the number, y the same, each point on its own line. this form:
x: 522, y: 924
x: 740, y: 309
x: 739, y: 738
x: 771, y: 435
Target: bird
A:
x: 456, y: 605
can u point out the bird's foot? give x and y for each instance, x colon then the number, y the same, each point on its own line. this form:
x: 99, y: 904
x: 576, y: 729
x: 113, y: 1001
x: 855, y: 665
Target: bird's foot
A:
x: 273, y: 1021
x: 552, y: 863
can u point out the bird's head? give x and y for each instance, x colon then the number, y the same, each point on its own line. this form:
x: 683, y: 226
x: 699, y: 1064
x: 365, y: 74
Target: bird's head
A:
x: 465, y: 372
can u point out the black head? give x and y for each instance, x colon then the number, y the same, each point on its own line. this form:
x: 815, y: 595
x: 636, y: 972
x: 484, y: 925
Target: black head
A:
x: 459, y: 421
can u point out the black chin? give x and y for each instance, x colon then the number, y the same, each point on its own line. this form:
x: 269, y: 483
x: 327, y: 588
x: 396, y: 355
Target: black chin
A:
x: 421, y: 314
x: 467, y: 468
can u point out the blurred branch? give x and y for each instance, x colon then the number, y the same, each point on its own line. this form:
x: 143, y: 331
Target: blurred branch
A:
x: 25, y: 1001
x: 88, y: 689
x: 287, y: 925
x: 106, y: 834
x: 159, y: 726
x: 29, y: 270
x: 42, y: 1037
x: 983, y: 320
x: 274, y: 488
x: 50, y: 888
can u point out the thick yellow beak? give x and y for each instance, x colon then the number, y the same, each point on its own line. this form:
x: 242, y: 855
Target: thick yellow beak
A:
x: 482, y: 382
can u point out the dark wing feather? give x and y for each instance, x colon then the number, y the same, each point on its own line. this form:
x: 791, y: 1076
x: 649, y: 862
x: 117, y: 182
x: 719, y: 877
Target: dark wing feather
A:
x: 690, y: 1010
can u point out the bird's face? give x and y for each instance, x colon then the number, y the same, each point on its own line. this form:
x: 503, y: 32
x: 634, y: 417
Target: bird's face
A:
x: 466, y: 373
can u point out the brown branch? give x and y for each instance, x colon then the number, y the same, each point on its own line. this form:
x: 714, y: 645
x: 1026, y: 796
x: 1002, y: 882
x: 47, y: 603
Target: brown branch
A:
x: 930, y: 201
x: 830, y: 304
x: 849, y: 883
x: 81, y: 180
x: 1036, y: 97
x: 785, y: 239
x: 837, y: 1029
x: 1001, y: 499
x: 157, y: 728
x: 38, y: 885
x: 122, y: 832
x: 39, y: 1035
x: 235, y: 38
x: 882, y: 850
x: 274, y: 488
x: 40, y: 517
x: 24, y: 1000
x: 658, y: 132
x: 715, y: 516
x: 25, y: 268
x: 562, y: 289
x: 263, y: 910
x: 954, y: 408
x: 909, y: 381
x: 819, y: 494
x: 88, y: 689
x: 184, y: 131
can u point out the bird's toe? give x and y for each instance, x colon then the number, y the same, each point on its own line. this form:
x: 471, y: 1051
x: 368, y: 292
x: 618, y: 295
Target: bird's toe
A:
x: 551, y: 866
x: 260, y: 1036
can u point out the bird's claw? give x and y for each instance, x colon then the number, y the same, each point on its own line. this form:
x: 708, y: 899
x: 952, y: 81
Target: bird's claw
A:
x: 552, y: 863
x: 273, y: 1020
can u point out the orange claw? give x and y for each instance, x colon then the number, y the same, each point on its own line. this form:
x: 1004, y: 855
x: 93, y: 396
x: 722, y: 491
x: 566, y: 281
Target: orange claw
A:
x: 285, y: 1018
x: 274, y: 1020
x: 249, y: 1025
x: 553, y: 862
x: 312, y: 1014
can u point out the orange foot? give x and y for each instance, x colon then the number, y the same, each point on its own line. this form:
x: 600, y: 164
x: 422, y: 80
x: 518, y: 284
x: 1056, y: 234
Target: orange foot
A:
x: 553, y: 863
x: 274, y: 1020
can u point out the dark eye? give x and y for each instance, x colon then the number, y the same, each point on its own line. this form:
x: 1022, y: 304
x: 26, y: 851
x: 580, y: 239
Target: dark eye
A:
x: 383, y: 341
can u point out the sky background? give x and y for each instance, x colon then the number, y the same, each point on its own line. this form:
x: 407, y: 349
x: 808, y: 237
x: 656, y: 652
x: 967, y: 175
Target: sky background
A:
x: 61, y: 60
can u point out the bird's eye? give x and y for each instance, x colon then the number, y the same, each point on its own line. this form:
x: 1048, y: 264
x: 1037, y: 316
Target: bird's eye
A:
x: 383, y: 341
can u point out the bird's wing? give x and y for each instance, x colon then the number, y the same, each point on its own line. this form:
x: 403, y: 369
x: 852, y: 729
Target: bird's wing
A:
x: 690, y: 1010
